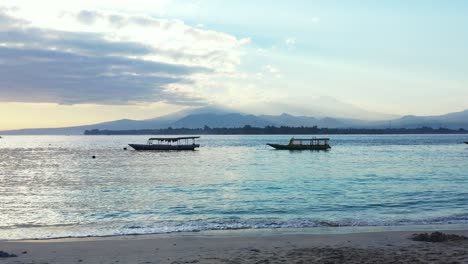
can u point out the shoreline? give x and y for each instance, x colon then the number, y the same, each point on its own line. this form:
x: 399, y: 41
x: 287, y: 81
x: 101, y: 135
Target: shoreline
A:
x: 248, y: 232
x: 241, y: 247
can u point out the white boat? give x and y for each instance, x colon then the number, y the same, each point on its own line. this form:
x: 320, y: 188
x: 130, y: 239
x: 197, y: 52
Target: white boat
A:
x: 175, y: 143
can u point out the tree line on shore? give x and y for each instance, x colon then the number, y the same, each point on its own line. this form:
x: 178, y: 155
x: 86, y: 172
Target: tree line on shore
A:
x: 273, y: 130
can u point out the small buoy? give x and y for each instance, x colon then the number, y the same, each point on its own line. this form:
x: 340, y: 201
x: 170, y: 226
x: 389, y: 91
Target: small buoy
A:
x: 94, y: 157
x: 125, y: 148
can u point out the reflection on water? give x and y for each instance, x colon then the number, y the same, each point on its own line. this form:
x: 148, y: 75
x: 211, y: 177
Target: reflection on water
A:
x: 50, y: 186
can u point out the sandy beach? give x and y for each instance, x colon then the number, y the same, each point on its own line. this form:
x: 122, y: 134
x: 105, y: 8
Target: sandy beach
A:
x: 376, y: 247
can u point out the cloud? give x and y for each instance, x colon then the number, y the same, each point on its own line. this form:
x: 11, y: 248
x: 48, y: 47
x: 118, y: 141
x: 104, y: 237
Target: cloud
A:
x: 177, y: 41
x: 110, y: 58
x: 269, y: 68
x: 87, y: 17
x: 8, y: 21
x: 290, y: 42
x: 271, y: 71
x: 31, y: 75
x: 76, y: 42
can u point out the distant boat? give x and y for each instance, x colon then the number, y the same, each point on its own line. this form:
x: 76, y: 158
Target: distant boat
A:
x: 176, y: 143
x: 466, y: 142
x: 304, y: 144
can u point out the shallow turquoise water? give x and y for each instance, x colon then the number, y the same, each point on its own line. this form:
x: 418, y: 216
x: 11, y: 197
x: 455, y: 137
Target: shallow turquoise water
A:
x: 51, y: 187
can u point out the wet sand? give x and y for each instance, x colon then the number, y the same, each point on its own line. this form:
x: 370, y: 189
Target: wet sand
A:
x: 377, y: 247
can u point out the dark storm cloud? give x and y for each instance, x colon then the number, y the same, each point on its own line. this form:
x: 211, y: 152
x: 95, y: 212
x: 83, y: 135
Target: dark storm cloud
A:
x: 28, y: 75
x: 38, y: 65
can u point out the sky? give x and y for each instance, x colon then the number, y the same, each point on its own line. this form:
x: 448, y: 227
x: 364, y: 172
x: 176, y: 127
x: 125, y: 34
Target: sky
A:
x: 66, y: 63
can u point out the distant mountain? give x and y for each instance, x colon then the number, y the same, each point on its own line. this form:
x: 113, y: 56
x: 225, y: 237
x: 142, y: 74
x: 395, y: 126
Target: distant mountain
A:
x: 77, y: 130
x: 320, y: 107
x: 452, y: 120
x: 221, y: 120
x: 193, y: 111
x: 307, y: 121
x: 290, y: 120
x: 220, y: 117
x: 123, y: 124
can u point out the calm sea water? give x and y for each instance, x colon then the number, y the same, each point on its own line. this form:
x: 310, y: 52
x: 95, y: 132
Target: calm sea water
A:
x: 51, y: 187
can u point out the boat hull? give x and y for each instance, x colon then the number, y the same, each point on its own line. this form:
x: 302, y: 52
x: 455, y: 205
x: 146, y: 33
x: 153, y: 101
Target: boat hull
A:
x: 466, y: 142
x: 300, y: 147
x: 163, y: 147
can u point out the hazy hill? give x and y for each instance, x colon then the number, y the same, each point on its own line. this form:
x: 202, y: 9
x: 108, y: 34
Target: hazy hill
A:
x: 192, y: 111
x: 321, y: 107
x: 220, y: 117
x: 221, y: 120
x: 452, y: 120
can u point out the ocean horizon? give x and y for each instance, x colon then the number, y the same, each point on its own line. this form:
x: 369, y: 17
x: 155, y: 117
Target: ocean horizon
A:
x: 51, y: 187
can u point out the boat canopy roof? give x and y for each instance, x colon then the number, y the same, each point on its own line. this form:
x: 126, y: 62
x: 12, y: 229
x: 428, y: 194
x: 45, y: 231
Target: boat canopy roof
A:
x: 172, y: 139
x: 310, y: 139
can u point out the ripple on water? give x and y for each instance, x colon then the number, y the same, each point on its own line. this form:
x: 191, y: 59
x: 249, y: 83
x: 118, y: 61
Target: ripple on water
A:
x: 49, y: 185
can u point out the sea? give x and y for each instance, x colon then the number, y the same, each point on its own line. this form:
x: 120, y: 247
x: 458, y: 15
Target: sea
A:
x: 51, y: 187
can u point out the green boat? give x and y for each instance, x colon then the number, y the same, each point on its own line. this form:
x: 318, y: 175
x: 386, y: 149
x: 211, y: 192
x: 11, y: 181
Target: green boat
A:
x: 304, y: 144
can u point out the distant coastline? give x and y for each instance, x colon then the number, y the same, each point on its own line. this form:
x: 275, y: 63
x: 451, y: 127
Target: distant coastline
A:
x: 272, y: 130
